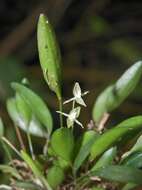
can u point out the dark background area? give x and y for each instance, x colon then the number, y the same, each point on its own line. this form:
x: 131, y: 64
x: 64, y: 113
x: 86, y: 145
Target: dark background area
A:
x: 99, y: 39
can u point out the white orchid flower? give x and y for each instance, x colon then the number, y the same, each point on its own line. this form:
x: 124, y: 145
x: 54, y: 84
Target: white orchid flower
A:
x: 72, y: 117
x: 77, y: 95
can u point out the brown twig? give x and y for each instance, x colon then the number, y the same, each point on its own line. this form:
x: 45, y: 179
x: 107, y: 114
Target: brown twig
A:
x: 103, y: 122
x: 20, y: 138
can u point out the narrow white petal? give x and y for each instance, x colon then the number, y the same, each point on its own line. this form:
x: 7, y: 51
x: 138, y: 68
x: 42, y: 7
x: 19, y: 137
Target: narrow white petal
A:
x: 65, y: 114
x: 77, y: 90
x: 75, y: 112
x: 79, y: 123
x: 84, y: 93
x: 80, y: 101
x: 71, y: 99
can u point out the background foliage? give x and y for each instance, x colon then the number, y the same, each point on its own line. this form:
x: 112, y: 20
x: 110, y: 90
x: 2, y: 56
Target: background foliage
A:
x: 98, y: 39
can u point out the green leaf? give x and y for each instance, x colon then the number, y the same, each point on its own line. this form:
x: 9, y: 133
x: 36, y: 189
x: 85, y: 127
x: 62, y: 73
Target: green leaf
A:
x: 63, y: 163
x: 1, y: 128
x: 122, y: 174
x: 60, y: 161
x: 134, y: 160
x: 23, y: 109
x: 10, y: 170
x: 115, y: 94
x: 106, y: 159
x: 107, y: 139
x: 88, y: 139
x: 136, y: 148
x: 62, y: 142
x: 101, y: 105
x: 36, y: 104
x: 49, y: 55
x: 55, y: 176
x: 130, y: 186
x: 12, y: 110
x: 34, y: 128
x: 89, y: 135
x: 36, y: 171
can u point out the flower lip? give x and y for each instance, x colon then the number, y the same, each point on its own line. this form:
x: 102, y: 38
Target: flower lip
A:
x: 72, y: 117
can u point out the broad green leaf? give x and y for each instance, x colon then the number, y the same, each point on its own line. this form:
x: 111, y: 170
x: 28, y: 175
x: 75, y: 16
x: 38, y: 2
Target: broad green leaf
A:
x: 23, y: 109
x: 86, y: 145
x: 55, y: 176
x: 122, y: 174
x: 1, y: 128
x: 106, y: 159
x: 88, y: 135
x: 101, y: 104
x: 49, y: 55
x: 97, y: 188
x: 34, y: 128
x: 36, y: 104
x: 12, y: 110
x: 36, y: 171
x: 63, y: 163
x: 115, y: 94
x: 62, y: 142
x: 60, y: 161
x: 107, y: 139
x: 134, y: 160
x: 136, y: 148
x: 10, y: 170
x: 130, y: 186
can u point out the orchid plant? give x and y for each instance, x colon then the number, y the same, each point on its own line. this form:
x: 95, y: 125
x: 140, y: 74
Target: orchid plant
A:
x: 93, y: 160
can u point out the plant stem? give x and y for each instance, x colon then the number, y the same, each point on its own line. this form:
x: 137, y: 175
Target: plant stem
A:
x: 11, y: 146
x: 7, y: 151
x: 74, y: 176
x: 45, y: 148
x: 30, y: 145
x: 73, y: 106
x: 35, y: 170
x: 61, y: 109
x: 19, y: 138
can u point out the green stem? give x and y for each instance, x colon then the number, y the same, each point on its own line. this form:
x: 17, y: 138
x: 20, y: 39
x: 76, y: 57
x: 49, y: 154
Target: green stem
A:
x: 74, y: 176
x: 19, y: 136
x: 61, y: 110
x: 45, y: 149
x: 30, y: 145
x: 11, y: 146
x: 35, y: 170
x: 73, y: 106
x: 7, y: 151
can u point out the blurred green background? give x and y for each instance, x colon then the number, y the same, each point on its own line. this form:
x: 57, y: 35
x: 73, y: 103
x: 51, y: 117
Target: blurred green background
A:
x: 99, y: 39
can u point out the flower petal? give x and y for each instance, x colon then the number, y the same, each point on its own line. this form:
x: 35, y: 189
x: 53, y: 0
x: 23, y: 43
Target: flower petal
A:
x: 80, y: 101
x: 77, y: 90
x: 75, y: 111
x: 78, y: 122
x: 70, y: 100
